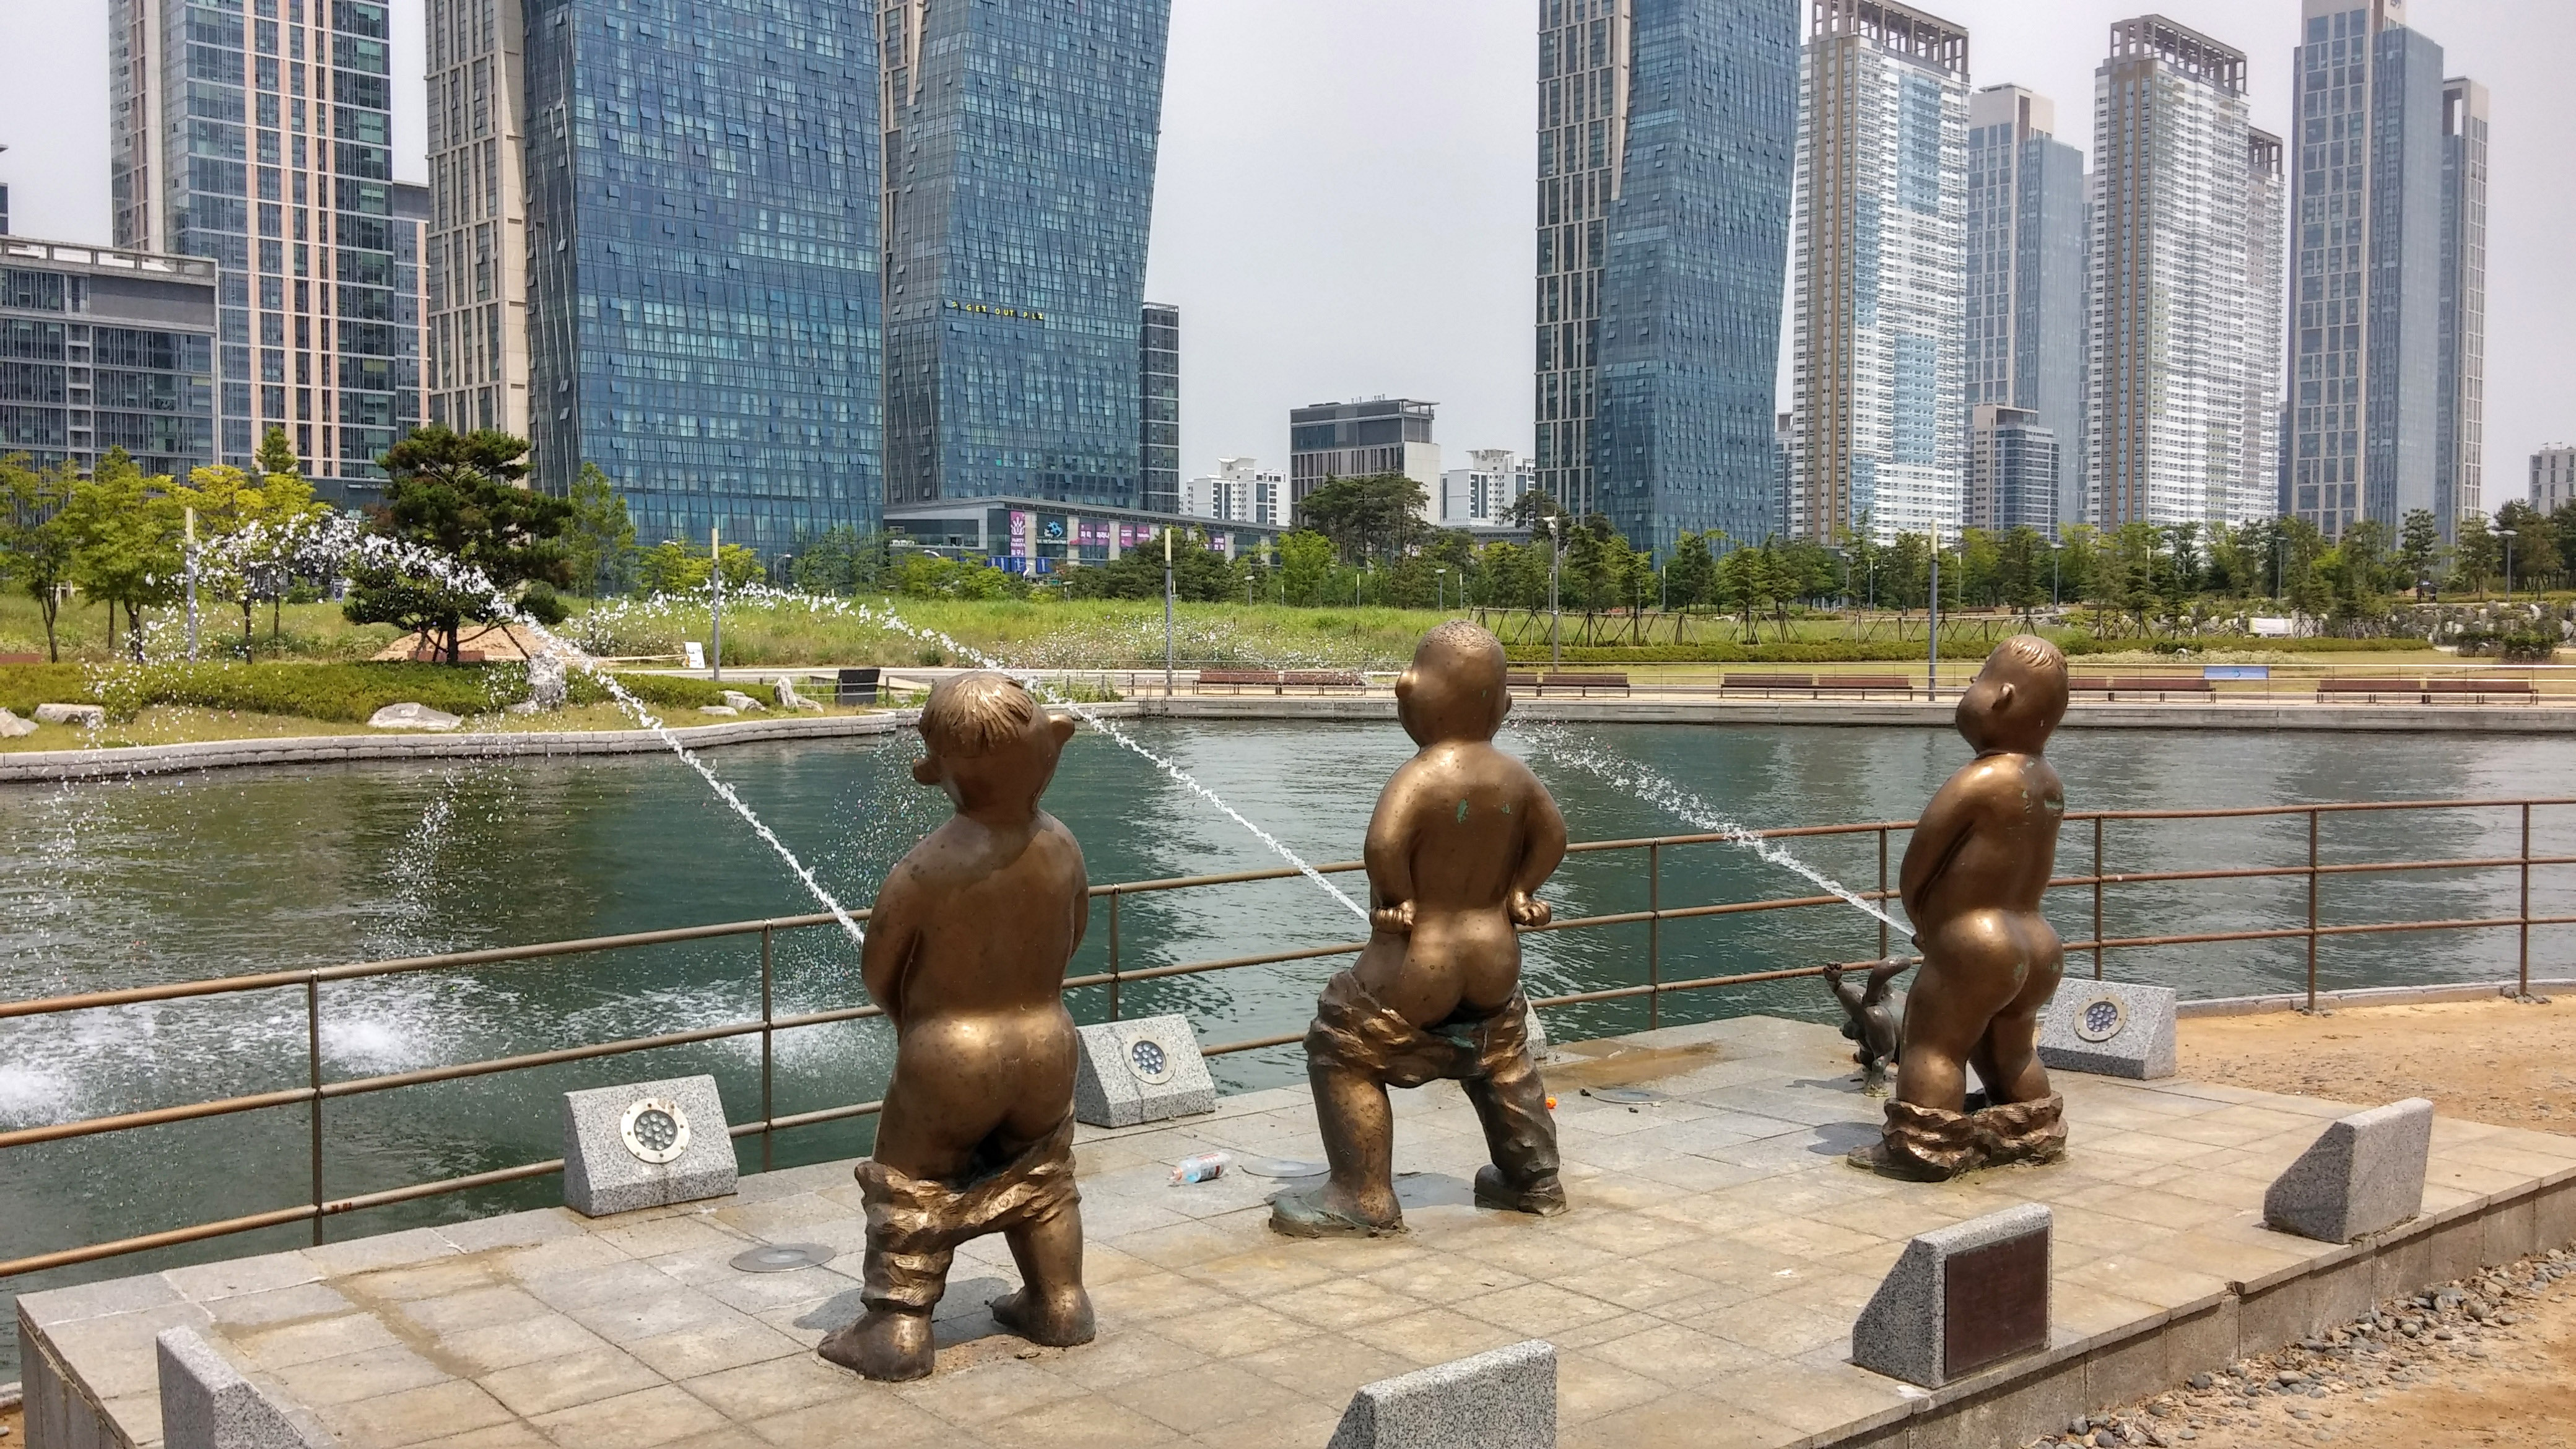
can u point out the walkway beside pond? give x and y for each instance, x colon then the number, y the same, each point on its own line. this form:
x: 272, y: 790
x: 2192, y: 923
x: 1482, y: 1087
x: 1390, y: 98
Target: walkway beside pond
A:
x: 1702, y: 1293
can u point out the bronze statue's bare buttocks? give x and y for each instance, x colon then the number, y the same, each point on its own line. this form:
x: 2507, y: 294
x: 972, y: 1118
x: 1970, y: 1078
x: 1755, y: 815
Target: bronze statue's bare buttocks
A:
x: 1463, y: 837
x: 1972, y: 880
x: 966, y: 952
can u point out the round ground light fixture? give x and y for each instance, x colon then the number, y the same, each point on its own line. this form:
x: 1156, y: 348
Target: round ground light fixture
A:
x: 2101, y: 1019
x: 782, y: 1257
x: 655, y: 1130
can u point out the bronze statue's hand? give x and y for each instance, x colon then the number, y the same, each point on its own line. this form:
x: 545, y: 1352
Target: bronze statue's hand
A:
x: 1394, y: 920
x: 1528, y: 910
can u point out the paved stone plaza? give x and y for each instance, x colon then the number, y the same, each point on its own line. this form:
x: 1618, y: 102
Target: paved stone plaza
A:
x: 1702, y: 1292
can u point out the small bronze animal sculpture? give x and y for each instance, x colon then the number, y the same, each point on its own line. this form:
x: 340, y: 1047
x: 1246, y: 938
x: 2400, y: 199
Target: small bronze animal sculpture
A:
x: 1873, y: 1022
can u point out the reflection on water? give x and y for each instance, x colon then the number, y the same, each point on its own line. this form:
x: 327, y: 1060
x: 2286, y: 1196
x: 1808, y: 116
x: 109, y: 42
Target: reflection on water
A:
x: 171, y: 878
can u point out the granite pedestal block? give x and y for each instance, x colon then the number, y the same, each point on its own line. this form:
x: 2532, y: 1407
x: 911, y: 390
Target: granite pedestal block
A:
x: 1143, y: 1070
x: 1501, y: 1399
x: 2109, y: 1028
x: 2365, y: 1174
x: 207, y: 1404
x: 1959, y: 1299
x: 1537, y: 1028
x: 646, y: 1145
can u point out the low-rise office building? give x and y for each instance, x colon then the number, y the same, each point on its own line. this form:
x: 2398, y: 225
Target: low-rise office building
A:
x: 1035, y: 536
x: 103, y: 348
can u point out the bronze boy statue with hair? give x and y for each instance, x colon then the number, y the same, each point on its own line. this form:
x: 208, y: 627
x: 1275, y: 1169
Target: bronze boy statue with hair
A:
x: 1463, y: 837
x: 967, y: 952
x: 1973, y: 875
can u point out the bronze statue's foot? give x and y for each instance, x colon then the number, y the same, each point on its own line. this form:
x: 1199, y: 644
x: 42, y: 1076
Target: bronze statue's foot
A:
x: 885, y: 1345
x: 1543, y: 1196
x: 1876, y: 1157
x: 1055, y: 1320
x: 1312, y: 1214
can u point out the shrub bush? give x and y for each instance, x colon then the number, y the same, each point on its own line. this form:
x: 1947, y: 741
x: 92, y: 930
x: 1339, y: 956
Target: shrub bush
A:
x: 339, y: 693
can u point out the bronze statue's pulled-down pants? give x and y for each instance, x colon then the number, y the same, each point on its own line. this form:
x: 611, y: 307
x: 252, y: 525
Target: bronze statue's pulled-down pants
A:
x: 915, y: 1226
x: 1488, y: 1056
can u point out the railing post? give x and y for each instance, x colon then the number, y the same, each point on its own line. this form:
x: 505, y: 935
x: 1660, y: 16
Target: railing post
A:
x: 768, y: 1054
x: 1883, y: 944
x: 1655, y: 934
x: 2097, y: 897
x: 2522, y: 973
x: 1113, y: 954
x: 313, y: 1076
x: 2312, y: 911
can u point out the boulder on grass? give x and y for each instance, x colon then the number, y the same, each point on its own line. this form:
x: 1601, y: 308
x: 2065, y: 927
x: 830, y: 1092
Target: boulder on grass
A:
x: 12, y: 727
x: 717, y: 709
x: 87, y: 716
x: 788, y: 698
x: 410, y: 716
x: 743, y: 703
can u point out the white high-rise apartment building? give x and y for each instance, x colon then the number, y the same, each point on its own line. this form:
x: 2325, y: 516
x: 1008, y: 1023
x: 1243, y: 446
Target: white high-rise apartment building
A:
x: 2027, y: 255
x: 2181, y: 387
x: 1878, y: 226
x: 474, y: 344
x: 2553, y: 477
x: 1238, y: 492
x: 1484, y: 491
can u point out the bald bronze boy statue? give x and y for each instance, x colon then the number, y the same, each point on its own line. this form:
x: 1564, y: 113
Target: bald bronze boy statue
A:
x: 1973, y: 876
x: 1463, y: 837
x: 966, y: 952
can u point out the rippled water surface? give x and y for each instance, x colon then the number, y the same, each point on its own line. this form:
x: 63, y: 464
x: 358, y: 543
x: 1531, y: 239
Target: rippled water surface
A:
x: 121, y: 884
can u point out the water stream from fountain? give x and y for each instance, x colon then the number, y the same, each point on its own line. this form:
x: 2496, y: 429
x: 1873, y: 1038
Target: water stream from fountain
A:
x: 1558, y: 746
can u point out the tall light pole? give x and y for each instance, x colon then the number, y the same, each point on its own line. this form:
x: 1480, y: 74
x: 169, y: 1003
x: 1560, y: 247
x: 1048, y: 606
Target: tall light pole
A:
x: 715, y: 581
x: 1555, y: 615
x: 1167, y: 611
x: 1440, y: 591
x: 192, y: 584
x: 1932, y: 670
x: 2504, y: 533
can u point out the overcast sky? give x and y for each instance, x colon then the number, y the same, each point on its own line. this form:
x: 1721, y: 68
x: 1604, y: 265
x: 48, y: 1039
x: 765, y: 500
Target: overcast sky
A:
x: 1344, y: 202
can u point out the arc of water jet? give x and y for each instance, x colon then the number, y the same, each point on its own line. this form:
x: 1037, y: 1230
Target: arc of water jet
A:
x: 1101, y: 723
x: 466, y: 578
x: 1658, y: 790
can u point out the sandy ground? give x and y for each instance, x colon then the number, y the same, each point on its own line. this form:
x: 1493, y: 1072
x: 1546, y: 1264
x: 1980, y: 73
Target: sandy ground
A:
x: 2492, y: 1363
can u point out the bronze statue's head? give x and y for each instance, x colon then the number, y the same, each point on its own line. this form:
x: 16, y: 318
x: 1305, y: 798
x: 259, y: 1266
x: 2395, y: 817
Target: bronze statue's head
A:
x: 1455, y: 689
x: 988, y: 744
x: 2016, y: 701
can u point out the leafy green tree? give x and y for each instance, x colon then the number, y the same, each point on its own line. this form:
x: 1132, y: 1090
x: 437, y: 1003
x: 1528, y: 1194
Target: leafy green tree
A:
x: 2419, y: 546
x: 1305, y: 566
x: 1373, y: 517
x: 600, y: 537
x: 673, y: 567
x: 920, y: 574
x: 243, y: 528
x: 1200, y: 574
x: 841, y: 560
x: 38, y: 552
x: 125, y: 531
x: 1691, y: 577
x: 456, y: 495
x: 2475, y: 553
x: 277, y: 455
x: 2535, y: 545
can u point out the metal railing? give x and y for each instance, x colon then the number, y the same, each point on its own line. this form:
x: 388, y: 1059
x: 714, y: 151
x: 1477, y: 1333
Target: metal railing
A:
x: 318, y: 1091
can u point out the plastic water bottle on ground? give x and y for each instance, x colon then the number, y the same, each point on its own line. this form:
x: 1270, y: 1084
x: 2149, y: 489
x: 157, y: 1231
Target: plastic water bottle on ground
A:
x: 1200, y: 1167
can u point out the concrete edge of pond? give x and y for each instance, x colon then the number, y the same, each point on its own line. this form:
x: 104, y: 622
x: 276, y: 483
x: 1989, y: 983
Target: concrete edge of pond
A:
x: 1649, y: 709
x: 2366, y: 996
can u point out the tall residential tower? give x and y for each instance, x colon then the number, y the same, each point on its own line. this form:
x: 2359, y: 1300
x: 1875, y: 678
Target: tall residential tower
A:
x: 2027, y: 240
x: 1880, y: 429
x: 2366, y: 374
x: 2459, y: 477
x: 1019, y: 141
x: 474, y: 343
x: 2179, y: 387
x: 258, y: 134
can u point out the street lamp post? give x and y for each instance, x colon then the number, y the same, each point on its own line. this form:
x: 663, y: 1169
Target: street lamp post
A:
x: 715, y: 582
x: 192, y: 584
x: 1555, y: 614
x: 2507, y: 535
x: 1167, y: 612
x: 1932, y: 669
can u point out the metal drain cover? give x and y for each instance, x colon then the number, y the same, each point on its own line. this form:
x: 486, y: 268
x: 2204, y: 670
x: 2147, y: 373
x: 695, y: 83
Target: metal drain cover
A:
x: 782, y: 1257
x: 1630, y: 1096
x: 1281, y: 1167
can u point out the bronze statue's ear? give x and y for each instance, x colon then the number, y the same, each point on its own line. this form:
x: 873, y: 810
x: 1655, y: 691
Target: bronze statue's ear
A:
x: 926, y: 770
x: 1063, y: 727
x: 2004, y: 696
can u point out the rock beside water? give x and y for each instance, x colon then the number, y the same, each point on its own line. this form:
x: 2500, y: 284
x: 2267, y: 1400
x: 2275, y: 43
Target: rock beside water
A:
x: 12, y: 727
x: 548, y: 687
x: 87, y: 716
x: 409, y: 716
x: 743, y: 703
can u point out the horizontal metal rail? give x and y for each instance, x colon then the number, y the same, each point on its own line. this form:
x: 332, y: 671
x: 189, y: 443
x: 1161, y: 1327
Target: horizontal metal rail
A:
x: 316, y: 1091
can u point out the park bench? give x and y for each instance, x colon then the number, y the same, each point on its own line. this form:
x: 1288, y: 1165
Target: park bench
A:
x: 1322, y: 680
x: 1767, y: 684
x: 2478, y: 691
x: 1235, y: 679
x: 2111, y: 687
x: 2410, y: 691
x: 1583, y: 684
x: 22, y: 658
x: 1520, y: 681
x: 1864, y: 684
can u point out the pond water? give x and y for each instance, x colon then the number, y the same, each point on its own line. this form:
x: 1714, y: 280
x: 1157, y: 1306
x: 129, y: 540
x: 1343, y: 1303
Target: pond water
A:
x: 160, y: 879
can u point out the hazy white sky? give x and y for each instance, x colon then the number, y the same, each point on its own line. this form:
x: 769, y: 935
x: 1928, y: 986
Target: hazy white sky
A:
x: 1344, y: 203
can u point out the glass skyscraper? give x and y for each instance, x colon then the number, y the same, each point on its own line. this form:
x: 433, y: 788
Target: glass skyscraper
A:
x: 2367, y: 380
x: 258, y: 134
x: 2459, y: 480
x: 1019, y: 140
x: 2027, y: 238
x: 1158, y: 403
x: 702, y: 287
x: 474, y: 341
x: 1881, y: 214
x: 1663, y: 182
